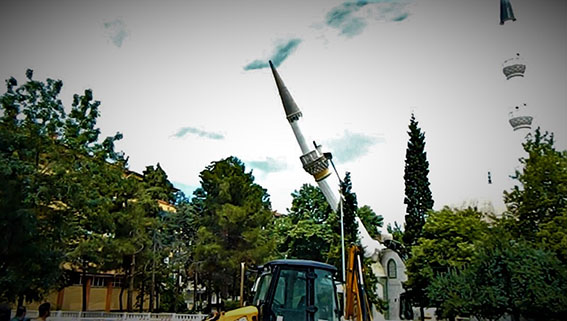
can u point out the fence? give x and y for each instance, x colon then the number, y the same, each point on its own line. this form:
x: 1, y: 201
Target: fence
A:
x: 116, y: 316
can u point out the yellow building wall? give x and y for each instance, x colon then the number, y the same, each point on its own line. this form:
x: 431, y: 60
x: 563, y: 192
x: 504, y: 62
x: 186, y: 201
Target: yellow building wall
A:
x: 73, y: 298
x: 97, y: 299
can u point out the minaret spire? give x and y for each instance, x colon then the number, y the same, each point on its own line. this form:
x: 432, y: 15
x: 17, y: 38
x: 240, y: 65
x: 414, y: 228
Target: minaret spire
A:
x: 291, y: 110
x: 313, y: 159
x: 316, y: 163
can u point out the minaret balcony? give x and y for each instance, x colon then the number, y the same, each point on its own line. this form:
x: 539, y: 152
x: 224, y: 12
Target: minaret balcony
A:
x: 519, y: 119
x: 514, y: 67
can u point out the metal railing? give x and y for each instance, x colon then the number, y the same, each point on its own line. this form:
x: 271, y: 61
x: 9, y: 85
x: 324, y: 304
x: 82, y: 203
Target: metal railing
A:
x: 115, y: 316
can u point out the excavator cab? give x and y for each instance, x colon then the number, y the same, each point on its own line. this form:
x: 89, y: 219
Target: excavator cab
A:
x: 296, y: 290
x: 291, y: 290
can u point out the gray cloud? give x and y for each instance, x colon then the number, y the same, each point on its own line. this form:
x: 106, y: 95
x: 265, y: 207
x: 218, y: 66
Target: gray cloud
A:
x: 281, y: 52
x: 195, y: 131
x: 116, y: 30
x: 352, y: 146
x: 346, y: 16
x: 270, y: 165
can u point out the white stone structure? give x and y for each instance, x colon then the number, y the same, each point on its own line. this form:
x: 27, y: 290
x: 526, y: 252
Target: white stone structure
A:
x: 316, y: 163
x: 519, y: 116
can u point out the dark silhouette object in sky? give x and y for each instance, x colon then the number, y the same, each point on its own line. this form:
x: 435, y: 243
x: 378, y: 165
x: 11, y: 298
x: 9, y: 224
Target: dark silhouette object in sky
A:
x: 506, y: 12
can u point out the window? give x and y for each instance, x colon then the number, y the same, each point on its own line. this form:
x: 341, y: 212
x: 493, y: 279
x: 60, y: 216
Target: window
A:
x: 325, y: 299
x: 98, y: 281
x: 290, y: 296
x: 392, y: 269
x: 261, y: 288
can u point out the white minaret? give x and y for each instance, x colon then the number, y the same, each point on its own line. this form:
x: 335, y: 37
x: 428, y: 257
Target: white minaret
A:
x: 313, y: 160
x: 519, y: 118
x: 317, y: 164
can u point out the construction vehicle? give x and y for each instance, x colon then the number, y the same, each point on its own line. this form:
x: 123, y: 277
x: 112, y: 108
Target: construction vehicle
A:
x: 303, y: 290
x: 291, y: 290
x: 357, y: 307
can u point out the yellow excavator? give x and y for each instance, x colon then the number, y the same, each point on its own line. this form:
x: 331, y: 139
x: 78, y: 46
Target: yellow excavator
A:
x: 303, y: 290
x: 291, y: 290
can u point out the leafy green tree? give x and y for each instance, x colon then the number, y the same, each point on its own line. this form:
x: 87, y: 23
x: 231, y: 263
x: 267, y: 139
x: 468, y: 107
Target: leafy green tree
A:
x: 448, y: 242
x: 552, y: 236
x: 417, y: 193
x: 57, y: 183
x: 309, y: 203
x: 305, y: 233
x: 95, y: 173
x: 235, y: 224
x: 540, y: 195
x: 504, y: 277
x: 30, y: 249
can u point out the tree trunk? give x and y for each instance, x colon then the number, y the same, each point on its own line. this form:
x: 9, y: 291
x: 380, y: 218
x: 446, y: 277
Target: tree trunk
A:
x: 120, y: 297
x: 142, y: 289
x: 84, y: 285
x: 153, y: 284
x: 422, y: 313
x: 195, y: 292
x: 131, y: 284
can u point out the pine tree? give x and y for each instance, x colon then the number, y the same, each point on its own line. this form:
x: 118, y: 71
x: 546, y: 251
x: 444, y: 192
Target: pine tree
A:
x: 235, y: 224
x: 350, y: 207
x: 417, y: 193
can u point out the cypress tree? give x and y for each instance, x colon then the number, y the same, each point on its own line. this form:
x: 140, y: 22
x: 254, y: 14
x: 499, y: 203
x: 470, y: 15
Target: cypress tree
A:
x: 417, y: 193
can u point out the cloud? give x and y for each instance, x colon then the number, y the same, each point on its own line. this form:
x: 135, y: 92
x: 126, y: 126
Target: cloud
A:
x: 352, y: 146
x: 195, y: 131
x: 117, y: 32
x: 350, y: 18
x: 281, y: 52
x: 270, y: 165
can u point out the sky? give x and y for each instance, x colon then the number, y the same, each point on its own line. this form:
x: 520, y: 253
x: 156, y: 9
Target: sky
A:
x: 187, y: 83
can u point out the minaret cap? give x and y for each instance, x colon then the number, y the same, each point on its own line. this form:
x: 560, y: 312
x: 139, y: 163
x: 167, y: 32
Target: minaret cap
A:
x: 292, y: 112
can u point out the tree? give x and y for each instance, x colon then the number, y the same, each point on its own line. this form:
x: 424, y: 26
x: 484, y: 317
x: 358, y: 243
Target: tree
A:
x: 540, y: 195
x: 157, y: 188
x: 179, y: 231
x: 552, y: 236
x: 396, y: 231
x: 94, y: 171
x: 397, y: 243
x: 57, y: 182
x: 417, y: 193
x: 372, y: 221
x: 305, y: 233
x: 30, y: 249
x: 448, y: 242
x: 235, y: 224
x: 504, y: 277
x: 350, y: 208
x: 309, y: 203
